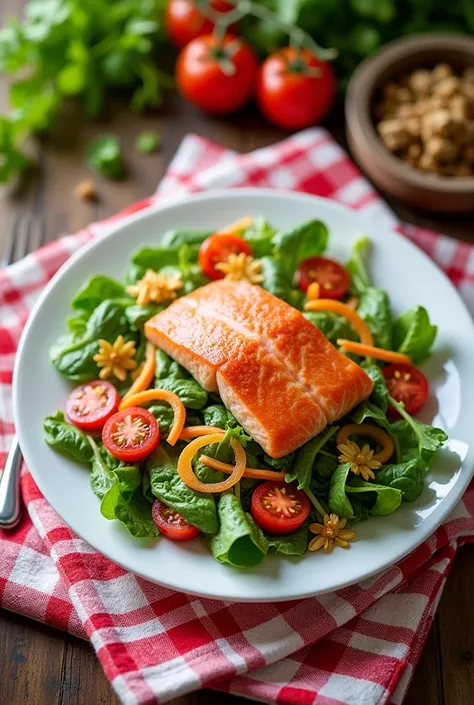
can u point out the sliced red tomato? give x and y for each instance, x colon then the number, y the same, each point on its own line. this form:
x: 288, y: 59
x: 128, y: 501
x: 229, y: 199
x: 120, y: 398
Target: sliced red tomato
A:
x: 90, y: 405
x: 329, y: 274
x: 132, y: 434
x: 406, y: 384
x: 217, y: 248
x: 171, y: 524
x: 279, y: 507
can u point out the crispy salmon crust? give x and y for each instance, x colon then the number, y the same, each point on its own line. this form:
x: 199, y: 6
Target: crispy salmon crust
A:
x: 274, y: 370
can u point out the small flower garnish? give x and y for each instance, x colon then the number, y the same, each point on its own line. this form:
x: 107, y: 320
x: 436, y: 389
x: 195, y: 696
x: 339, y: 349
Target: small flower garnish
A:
x: 116, y: 359
x: 155, y: 287
x: 241, y: 266
x: 361, y: 460
x: 330, y: 534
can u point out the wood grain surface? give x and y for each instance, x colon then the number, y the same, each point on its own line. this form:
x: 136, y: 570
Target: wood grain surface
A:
x: 42, y: 666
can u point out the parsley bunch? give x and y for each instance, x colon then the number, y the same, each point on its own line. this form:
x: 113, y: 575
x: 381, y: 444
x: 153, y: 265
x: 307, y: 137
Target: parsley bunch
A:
x: 67, y: 48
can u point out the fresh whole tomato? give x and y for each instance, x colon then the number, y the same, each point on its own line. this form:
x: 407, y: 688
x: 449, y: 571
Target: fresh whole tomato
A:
x: 171, y: 524
x: 131, y: 434
x: 294, y: 88
x: 279, y: 507
x: 329, y: 274
x: 217, y: 75
x: 217, y: 248
x: 184, y: 21
x: 90, y: 405
x: 406, y: 384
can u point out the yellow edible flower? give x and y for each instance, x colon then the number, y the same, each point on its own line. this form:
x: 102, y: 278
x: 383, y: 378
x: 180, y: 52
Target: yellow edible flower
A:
x: 115, y: 359
x: 241, y: 266
x: 360, y: 459
x: 331, y: 533
x: 155, y: 287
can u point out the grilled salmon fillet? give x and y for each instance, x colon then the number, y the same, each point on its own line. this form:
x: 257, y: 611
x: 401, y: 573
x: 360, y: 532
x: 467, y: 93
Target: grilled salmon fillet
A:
x: 274, y: 370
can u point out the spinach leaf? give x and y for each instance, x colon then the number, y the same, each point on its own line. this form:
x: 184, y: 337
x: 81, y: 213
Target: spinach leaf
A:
x: 137, y: 315
x: 155, y: 257
x: 66, y: 438
x: 294, y: 544
x: 221, y: 451
x: 135, y: 513
x: 191, y: 273
x: 374, y: 309
x: 239, y: 541
x: 331, y: 325
x: 247, y: 488
x: 428, y: 438
x: 323, y: 469
x: 338, y: 501
x: 164, y: 414
x: 259, y: 236
x: 414, y: 334
x: 367, y: 410
x: 379, y: 395
x: 77, y: 325
x: 197, y: 508
x: 76, y: 361
x: 102, y: 477
x: 279, y: 463
x: 215, y: 415
x: 95, y: 290
x: 176, y: 238
x: 189, y: 391
x: 408, y: 477
x: 291, y: 247
x: 356, y: 266
x: 163, y: 365
x: 387, y: 499
x: 278, y: 282
x: 305, y: 457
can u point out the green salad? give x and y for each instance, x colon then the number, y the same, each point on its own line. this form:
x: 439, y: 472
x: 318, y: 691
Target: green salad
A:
x: 134, y: 411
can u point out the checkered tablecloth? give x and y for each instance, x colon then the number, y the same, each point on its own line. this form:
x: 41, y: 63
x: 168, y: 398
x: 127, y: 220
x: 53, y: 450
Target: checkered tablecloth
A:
x: 358, y: 645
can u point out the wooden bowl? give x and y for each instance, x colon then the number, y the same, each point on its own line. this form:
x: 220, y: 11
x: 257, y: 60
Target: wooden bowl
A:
x: 388, y: 172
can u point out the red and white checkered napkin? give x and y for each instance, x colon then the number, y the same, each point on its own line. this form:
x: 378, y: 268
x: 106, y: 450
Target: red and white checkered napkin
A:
x: 358, y: 645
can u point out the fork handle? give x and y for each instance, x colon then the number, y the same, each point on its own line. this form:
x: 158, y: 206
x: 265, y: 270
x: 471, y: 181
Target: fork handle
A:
x: 10, y: 509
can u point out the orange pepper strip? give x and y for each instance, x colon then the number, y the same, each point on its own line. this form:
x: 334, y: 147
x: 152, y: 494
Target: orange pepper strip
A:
x: 254, y: 473
x: 143, y: 380
x: 185, y: 464
x: 189, y: 432
x: 372, y: 351
x: 314, y: 291
x: 343, y: 310
x: 161, y: 395
x: 366, y: 429
x: 237, y: 227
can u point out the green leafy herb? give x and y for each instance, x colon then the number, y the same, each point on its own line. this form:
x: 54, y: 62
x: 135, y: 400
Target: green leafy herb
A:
x: 189, y: 391
x: 66, y: 438
x: 379, y: 395
x: 414, y: 334
x: 331, y: 325
x: 356, y: 266
x: 134, y: 513
x: 385, y: 499
x: 294, y: 544
x: 305, y: 457
x: 164, y: 414
x: 215, y: 415
x: 177, y: 238
x: 156, y: 257
x: 428, y: 438
x: 105, y: 157
x: 338, y: 502
x: 277, y: 281
x: 291, y: 247
x: 137, y: 315
x: 102, y: 476
x: 374, y: 309
x: 95, y: 290
x: 239, y: 540
x: 408, y: 477
x: 368, y: 410
x: 148, y: 142
x: 259, y: 236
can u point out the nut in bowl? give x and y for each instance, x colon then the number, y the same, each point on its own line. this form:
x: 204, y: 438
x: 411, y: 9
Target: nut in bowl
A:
x: 410, y: 121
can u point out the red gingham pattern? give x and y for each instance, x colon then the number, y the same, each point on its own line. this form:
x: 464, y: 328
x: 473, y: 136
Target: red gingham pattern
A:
x: 359, y: 645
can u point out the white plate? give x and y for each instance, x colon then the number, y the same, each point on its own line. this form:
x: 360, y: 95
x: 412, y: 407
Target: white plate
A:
x: 410, y: 278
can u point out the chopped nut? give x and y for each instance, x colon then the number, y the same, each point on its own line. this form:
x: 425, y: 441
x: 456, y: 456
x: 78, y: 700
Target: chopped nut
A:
x: 441, y: 71
x: 86, y: 190
x: 437, y: 123
x: 390, y: 91
x: 420, y: 82
x: 413, y: 126
x: 467, y: 90
x: 427, y: 163
x: 404, y: 95
x: 458, y: 107
x: 443, y: 149
x: 393, y: 134
x: 447, y: 87
x: 414, y: 151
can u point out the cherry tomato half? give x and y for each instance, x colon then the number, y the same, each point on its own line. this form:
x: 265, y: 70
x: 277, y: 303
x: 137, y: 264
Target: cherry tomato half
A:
x: 331, y: 277
x: 171, y: 524
x: 132, y: 434
x: 278, y: 507
x: 407, y: 384
x: 217, y: 248
x: 90, y: 404
x: 184, y: 22
x: 294, y: 88
x: 217, y: 75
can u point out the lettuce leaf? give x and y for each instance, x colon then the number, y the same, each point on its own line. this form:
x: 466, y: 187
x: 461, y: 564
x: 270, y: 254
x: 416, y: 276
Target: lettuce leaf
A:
x: 293, y: 246
x: 239, y: 541
x: 414, y: 334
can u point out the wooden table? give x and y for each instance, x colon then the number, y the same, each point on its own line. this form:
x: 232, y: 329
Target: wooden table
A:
x: 42, y: 666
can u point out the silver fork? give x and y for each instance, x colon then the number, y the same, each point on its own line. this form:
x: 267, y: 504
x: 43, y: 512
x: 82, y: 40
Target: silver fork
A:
x: 26, y: 233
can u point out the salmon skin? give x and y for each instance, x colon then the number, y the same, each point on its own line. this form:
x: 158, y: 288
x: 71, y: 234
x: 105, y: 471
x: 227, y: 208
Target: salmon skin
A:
x: 275, y: 371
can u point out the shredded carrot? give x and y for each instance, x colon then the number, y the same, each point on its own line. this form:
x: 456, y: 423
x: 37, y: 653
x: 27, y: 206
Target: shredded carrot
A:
x: 343, y: 310
x: 254, y: 473
x: 237, y: 227
x: 161, y: 395
x: 185, y: 464
x: 143, y: 380
x: 367, y: 429
x: 189, y: 432
x: 314, y: 291
x: 371, y: 351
